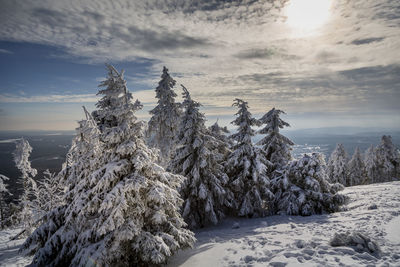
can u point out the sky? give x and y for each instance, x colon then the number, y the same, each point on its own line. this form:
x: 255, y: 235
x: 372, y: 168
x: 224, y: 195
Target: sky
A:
x: 326, y: 63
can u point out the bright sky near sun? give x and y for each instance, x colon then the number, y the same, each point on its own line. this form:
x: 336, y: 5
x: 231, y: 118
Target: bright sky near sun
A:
x: 307, y: 15
x: 325, y: 62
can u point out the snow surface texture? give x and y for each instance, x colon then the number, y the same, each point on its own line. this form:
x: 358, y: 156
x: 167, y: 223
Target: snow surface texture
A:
x: 294, y: 240
x: 287, y: 240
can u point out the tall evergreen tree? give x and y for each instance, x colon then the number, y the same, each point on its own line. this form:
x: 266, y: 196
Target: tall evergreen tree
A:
x: 356, y: 169
x: 247, y: 167
x: 371, y: 165
x: 3, y: 207
x: 164, y: 123
x: 303, y: 188
x: 199, y: 157
x: 28, y: 212
x: 125, y: 211
x: 388, y: 160
x: 337, y: 165
x: 276, y: 146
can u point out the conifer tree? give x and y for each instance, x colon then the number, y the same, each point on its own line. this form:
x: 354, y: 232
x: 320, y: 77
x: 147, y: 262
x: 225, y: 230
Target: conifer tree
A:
x: 356, y: 169
x: 371, y: 165
x: 28, y: 213
x: 49, y: 193
x: 164, y: 123
x: 220, y: 133
x: 275, y: 146
x: 3, y: 207
x: 199, y: 157
x: 247, y: 167
x: 125, y: 211
x: 337, y: 165
x: 388, y: 160
x: 303, y: 188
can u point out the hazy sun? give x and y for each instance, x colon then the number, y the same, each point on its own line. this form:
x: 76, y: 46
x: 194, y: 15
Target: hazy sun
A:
x: 307, y: 15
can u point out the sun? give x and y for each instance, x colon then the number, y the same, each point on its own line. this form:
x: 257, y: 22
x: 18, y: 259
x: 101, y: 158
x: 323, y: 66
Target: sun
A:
x: 307, y: 15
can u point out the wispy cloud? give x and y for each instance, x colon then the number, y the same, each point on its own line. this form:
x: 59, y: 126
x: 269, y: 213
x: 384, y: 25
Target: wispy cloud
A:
x: 5, y: 51
x: 10, y: 98
x: 144, y: 96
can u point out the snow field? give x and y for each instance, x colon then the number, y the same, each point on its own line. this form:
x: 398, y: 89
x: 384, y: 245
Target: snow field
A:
x: 295, y: 240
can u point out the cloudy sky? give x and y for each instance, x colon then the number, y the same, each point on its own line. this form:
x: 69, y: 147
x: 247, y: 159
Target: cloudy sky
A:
x: 325, y: 62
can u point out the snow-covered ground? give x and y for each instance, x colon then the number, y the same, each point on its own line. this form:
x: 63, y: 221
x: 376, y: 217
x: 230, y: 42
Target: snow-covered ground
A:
x: 295, y: 240
x: 287, y: 240
x: 9, y: 255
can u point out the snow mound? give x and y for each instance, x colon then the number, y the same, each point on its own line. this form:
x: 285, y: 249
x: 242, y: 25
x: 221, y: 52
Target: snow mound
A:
x: 360, y: 242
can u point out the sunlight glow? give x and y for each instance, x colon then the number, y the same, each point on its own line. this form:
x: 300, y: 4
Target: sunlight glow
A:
x: 307, y: 15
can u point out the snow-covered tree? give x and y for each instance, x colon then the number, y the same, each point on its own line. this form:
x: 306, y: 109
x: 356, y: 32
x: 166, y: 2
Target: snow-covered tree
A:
x: 247, y: 167
x: 49, y: 193
x: 3, y: 192
x: 124, y: 212
x: 388, y: 160
x: 220, y: 133
x: 303, y: 188
x: 371, y: 165
x: 337, y: 165
x: 199, y: 157
x: 356, y: 169
x: 275, y: 146
x: 27, y: 215
x: 164, y: 123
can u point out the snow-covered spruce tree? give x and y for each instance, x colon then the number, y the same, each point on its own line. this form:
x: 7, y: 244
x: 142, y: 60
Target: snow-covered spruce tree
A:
x: 28, y: 213
x: 3, y: 206
x: 49, y: 193
x: 82, y: 159
x: 371, y: 165
x: 220, y: 133
x: 247, y: 168
x: 164, y: 123
x: 275, y: 146
x: 337, y: 165
x: 303, y: 188
x: 126, y: 211
x: 199, y: 157
x: 388, y: 160
x: 356, y: 169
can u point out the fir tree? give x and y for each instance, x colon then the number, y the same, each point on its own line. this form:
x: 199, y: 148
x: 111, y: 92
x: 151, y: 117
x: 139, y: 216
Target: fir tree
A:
x: 27, y: 214
x: 49, y: 193
x: 247, y: 167
x: 164, y: 123
x: 388, y: 160
x: 3, y: 207
x: 371, y: 165
x: 199, y: 157
x: 220, y: 133
x: 337, y: 165
x: 275, y: 146
x: 356, y: 169
x: 125, y: 211
x: 303, y: 188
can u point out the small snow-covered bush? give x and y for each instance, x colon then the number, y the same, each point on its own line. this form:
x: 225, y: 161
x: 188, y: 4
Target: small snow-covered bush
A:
x: 303, y: 188
x: 360, y: 242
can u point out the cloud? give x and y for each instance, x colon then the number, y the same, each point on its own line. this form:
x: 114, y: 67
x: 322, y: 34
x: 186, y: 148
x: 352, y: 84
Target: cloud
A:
x: 4, y: 51
x: 367, y: 40
x: 144, y: 96
x: 227, y: 49
x: 10, y: 98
